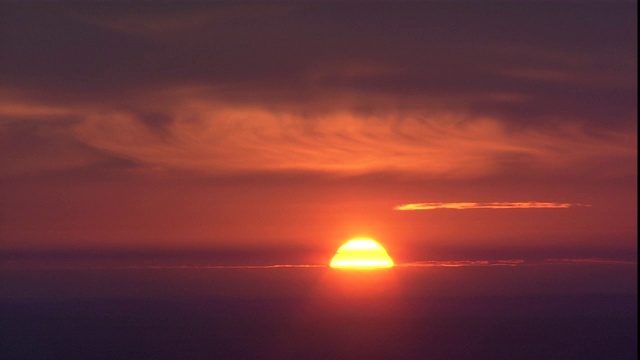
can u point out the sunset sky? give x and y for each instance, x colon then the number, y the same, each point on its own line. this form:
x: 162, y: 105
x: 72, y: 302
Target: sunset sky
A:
x: 443, y: 130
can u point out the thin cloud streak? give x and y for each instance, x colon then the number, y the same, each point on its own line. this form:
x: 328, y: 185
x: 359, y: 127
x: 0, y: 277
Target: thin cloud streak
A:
x: 517, y: 262
x: 18, y: 266
x: 463, y: 263
x: 278, y: 266
x: 416, y: 264
x: 490, y: 205
x: 590, y: 261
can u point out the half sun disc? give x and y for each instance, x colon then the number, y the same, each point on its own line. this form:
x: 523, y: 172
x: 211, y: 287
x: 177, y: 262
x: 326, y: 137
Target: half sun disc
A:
x: 361, y: 254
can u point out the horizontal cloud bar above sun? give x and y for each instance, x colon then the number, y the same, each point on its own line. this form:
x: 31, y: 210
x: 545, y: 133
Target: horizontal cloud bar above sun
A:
x: 489, y: 205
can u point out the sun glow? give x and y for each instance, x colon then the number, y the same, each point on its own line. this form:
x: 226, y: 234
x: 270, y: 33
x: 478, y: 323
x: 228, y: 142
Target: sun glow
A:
x: 361, y: 254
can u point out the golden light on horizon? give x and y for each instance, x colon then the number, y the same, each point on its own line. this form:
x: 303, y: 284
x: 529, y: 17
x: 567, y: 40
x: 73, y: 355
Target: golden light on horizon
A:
x: 361, y: 253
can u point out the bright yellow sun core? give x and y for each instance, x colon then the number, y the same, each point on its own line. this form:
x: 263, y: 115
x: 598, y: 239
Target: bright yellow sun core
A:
x: 361, y: 254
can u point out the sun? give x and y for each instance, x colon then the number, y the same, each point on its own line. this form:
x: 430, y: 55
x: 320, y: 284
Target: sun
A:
x: 361, y: 253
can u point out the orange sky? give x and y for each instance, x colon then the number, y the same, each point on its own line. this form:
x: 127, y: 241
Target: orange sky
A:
x: 300, y: 126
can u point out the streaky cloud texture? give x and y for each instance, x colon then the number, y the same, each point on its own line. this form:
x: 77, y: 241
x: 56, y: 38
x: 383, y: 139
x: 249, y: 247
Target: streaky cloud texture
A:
x: 414, y: 264
x: 489, y: 205
x: 384, y: 89
x: 463, y: 263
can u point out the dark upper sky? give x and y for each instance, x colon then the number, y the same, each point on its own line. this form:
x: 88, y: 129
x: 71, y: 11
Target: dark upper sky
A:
x: 215, y: 105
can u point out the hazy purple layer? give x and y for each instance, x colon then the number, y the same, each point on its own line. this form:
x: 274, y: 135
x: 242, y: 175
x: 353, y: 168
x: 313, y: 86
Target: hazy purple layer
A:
x: 550, y: 311
x: 398, y: 283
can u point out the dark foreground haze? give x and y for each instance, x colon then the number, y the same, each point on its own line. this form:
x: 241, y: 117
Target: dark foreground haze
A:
x: 531, y: 310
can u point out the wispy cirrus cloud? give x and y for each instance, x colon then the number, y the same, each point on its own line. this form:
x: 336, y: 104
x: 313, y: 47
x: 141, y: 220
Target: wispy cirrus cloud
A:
x: 463, y: 111
x: 486, y: 205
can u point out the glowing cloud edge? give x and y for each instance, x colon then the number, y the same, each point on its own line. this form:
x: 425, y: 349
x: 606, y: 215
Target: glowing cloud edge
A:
x: 490, y: 205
